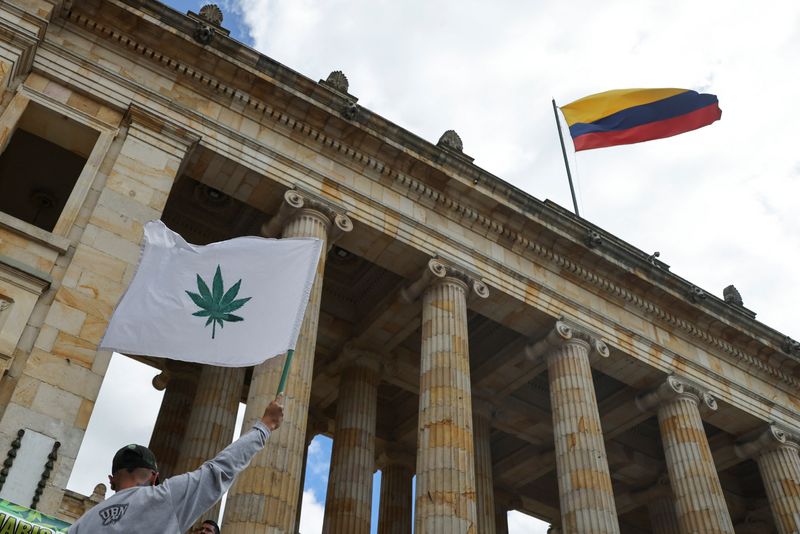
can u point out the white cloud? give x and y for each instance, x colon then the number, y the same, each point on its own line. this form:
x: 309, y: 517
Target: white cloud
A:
x: 312, y: 514
x: 125, y: 412
x: 519, y: 523
x: 718, y: 203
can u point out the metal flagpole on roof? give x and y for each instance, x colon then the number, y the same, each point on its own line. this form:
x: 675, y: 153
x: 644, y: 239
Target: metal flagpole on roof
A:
x: 566, y: 162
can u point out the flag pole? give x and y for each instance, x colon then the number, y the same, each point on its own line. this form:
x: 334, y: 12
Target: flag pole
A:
x: 285, y: 373
x: 566, y: 162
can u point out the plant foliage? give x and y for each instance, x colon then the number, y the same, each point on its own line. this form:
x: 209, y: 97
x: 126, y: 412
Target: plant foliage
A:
x: 216, y: 303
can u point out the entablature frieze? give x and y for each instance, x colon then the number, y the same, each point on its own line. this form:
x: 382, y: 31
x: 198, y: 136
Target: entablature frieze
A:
x: 511, y: 236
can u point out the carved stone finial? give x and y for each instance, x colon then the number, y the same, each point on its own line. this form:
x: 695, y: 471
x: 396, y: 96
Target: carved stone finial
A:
x: 338, y: 81
x: 732, y: 296
x: 212, y: 14
x: 98, y: 493
x: 451, y: 140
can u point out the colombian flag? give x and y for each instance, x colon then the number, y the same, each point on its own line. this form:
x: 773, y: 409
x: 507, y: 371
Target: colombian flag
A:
x: 626, y: 116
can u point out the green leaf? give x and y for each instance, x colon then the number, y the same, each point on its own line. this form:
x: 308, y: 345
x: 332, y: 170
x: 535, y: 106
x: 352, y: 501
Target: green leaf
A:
x: 217, y: 288
x: 200, y: 301
x: 230, y: 294
x: 217, y: 304
x: 235, y: 305
x: 201, y: 285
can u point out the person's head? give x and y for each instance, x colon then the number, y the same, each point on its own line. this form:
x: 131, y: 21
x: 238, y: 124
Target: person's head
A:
x: 208, y: 527
x: 133, y: 465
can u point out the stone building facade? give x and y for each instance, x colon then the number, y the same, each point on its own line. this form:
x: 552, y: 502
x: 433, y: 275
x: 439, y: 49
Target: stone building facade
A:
x: 507, y: 353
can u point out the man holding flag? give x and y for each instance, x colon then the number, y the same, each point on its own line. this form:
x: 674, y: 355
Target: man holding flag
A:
x: 172, y: 507
x: 234, y: 303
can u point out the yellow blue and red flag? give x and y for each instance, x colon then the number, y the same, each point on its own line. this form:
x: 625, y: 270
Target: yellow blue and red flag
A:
x: 626, y: 116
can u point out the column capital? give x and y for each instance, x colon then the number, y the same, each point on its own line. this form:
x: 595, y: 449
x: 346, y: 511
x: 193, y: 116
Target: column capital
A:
x: 352, y: 355
x: 316, y: 425
x: 439, y: 268
x: 675, y: 387
x: 505, y: 501
x: 482, y: 407
x: 171, y: 371
x: 391, y: 455
x: 297, y: 199
x: 765, y: 440
x: 563, y: 333
x: 659, y: 489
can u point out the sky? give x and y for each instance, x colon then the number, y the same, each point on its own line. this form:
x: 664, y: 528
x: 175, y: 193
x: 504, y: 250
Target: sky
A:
x: 719, y: 203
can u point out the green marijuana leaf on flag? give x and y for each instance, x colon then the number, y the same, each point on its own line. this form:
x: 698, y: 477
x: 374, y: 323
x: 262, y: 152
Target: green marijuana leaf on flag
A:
x: 215, y: 304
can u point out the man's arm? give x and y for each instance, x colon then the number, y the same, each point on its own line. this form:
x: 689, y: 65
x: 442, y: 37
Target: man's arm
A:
x: 194, y: 493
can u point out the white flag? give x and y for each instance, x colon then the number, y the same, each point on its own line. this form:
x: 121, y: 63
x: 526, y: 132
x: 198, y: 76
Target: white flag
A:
x: 234, y: 303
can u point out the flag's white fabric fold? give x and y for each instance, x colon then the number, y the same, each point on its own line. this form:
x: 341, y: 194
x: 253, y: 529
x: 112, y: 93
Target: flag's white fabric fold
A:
x: 234, y: 303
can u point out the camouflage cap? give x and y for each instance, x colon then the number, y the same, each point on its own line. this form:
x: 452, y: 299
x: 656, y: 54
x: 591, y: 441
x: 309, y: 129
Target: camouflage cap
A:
x: 133, y: 456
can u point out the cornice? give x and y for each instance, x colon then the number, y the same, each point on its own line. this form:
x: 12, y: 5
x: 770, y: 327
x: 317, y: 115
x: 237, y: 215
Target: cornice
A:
x: 23, y: 276
x: 513, y: 199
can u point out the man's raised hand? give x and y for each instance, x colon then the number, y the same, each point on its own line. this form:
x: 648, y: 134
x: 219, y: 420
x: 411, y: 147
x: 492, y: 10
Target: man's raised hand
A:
x: 273, y: 415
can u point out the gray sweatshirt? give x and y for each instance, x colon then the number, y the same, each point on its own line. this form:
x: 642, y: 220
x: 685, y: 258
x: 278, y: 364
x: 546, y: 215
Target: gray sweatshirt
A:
x: 173, y: 506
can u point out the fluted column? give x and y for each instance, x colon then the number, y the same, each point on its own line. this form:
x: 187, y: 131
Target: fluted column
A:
x: 212, y: 420
x: 501, y: 521
x: 661, y: 508
x: 699, y: 501
x: 179, y: 382
x: 353, y: 455
x: 484, y: 484
x: 585, y: 494
x: 445, y: 494
x: 776, y: 453
x: 265, y: 497
x: 397, y: 472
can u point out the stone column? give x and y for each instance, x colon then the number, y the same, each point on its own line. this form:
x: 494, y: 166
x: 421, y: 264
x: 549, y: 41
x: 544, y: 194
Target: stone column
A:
x: 179, y: 383
x: 663, y: 519
x: 397, y: 472
x: 484, y: 485
x: 699, y: 501
x: 501, y: 521
x: 661, y: 508
x: 584, y: 483
x: 776, y: 453
x: 265, y: 497
x: 212, y: 420
x: 445, y: 495
x: 353, y: 455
